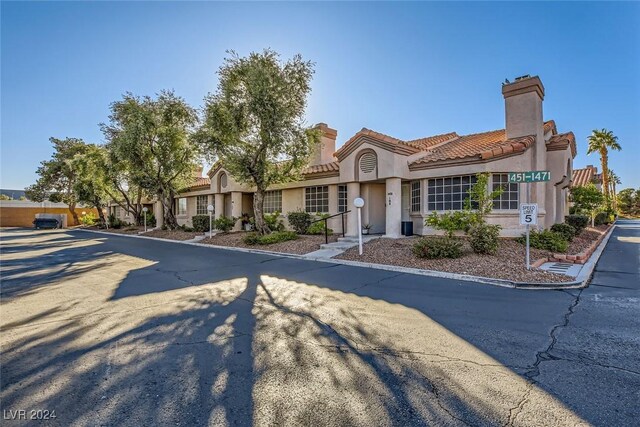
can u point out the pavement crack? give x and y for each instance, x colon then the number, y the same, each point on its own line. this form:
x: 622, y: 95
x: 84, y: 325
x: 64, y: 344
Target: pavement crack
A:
x: 374, y: 283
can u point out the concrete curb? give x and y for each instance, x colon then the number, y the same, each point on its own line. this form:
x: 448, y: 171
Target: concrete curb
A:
x: 580, y: 282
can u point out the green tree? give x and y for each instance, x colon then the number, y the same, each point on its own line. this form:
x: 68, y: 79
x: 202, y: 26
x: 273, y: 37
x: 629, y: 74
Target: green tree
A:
x: 601, y: 141
x: 57, y: 176
x: 587, y: 199
x: 614, y: 180
x: 254, y: 123
x: 629, y: 201
x: 5, y: 197
x: 150, y: 140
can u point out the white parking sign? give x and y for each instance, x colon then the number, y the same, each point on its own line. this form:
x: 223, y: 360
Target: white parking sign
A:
x: 529, y: 214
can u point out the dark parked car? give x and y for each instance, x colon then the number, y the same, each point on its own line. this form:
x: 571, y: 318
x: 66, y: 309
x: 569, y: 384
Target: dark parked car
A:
x: 42, y: 223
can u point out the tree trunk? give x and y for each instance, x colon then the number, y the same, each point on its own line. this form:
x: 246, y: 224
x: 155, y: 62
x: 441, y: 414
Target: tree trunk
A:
x: 74, y: 214
x: 97, y: 203
x: 605, y: 173
x: 258, y: 212
x: 167, y: 204
x: 138, y: 216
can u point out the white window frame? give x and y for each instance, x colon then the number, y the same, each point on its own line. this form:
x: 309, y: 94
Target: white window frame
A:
x: 316, y: 199
x: 179, y: 209
x: 416, y: 196
x: 510, y: 198
x: 202, y: 209
x: 451, y: 187
x: 272, y: 201
x: 343, y: 201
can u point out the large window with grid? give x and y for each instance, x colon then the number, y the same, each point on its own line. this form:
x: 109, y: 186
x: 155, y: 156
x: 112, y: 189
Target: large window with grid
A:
x: 272, y: 201
x: 316, y: 199
x: 342, y: 198
x: 509, y: 197
x: 415, y: 196
x: 449, y: 194
x: 181, y: 205
x: 201, y: 205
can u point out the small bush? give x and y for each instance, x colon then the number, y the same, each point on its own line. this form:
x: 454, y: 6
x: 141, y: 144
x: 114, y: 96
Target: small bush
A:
x: 579, y: 222
x: 269, y: 239
x: 115, y: 222
x: 151, y: 219
x: 603, y: 218
x: 299, y: 221
x: 450, y: 222
x: 568, y: 231
x: 547, y: 240
x: 274, y: 222
x: 484, y: 238
x: 88, y: 219
x: 437, y: 247
x: 225, y: 223
x: 185, y: 227
x: 319, y: 227
x: 200, y: 222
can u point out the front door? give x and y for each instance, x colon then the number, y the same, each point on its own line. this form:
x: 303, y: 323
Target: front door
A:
x: 406, y: 202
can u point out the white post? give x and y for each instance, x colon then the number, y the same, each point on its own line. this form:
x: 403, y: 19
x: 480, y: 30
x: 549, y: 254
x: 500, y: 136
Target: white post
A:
x: 528, y: 201
x: 210, y: 209
x: 359, y: 203
x: 144, y: 213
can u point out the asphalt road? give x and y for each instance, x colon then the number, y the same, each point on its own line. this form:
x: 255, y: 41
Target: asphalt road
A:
x: 110, y: 330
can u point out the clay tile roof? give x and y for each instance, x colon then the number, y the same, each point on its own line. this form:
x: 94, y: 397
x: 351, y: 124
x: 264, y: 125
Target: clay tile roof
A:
x: 424, y: 143
x: 201, y: 182
x: 583, y: 177
x: 562, y: 141
x: 394, y: 144
x: 474, y: 147
x: 321, y: 169
x: 550, y: 125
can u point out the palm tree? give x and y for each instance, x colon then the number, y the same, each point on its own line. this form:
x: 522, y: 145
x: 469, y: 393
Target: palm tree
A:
x: 602, y: 141
x: 614, y: 180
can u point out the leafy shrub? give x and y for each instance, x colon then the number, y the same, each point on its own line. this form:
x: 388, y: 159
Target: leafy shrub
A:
x: 115, y: 222
x: 437, y: 247
x: 579, y: 222
x: 603, y: 218
x: 225, y: 224
x: 274, y: 222
x: 547, y: 240
x: 568, y: 231
x: 151, y: 219
x: 319, y: 227
x: 484, y: 238
x: 200, y: 222
x: 269, y: 239
x: 88, y: 219
x: 451, y: 222
x: 185, y: 227
x: 299, y: 221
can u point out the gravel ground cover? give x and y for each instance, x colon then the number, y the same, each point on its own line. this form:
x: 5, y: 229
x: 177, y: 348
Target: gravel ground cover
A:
x: 172, y: 234
x: 507, y: 264
x: 585, y: 239
x: 300, y: 246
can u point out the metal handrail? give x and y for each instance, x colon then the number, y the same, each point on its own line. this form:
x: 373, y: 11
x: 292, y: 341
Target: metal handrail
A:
x: 326, y: 228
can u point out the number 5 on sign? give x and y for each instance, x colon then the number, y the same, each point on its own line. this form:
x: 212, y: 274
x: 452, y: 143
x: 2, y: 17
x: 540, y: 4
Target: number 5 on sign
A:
x: 529, y: 214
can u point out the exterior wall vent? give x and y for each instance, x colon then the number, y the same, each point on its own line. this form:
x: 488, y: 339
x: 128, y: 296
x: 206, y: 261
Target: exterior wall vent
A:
x: 223, y: 180
x: 368, y: 162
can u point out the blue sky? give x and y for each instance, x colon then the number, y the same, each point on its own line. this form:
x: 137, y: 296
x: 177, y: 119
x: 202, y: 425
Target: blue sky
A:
x: 405, y: 69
